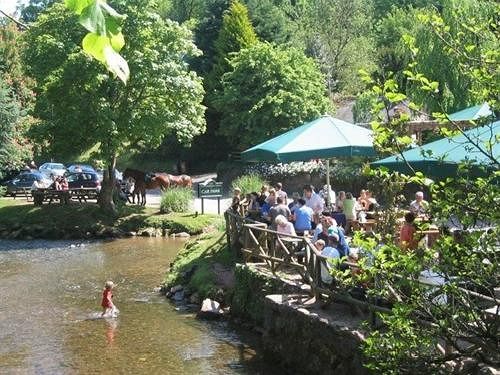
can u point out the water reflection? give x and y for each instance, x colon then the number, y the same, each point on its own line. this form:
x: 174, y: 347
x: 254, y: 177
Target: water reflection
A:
x: 50, y: 295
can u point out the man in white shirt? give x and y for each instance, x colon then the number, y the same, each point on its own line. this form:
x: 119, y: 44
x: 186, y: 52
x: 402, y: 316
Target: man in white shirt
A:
x: 313, y: 200
x: 281, y: 193
x: 419, y: 206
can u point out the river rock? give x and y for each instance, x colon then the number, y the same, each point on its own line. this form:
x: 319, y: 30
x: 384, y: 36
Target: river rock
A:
x: 181, y: 234
x: 176, y: 288
x: 210, y: 310
x: 178, y: 296
x: 194, y: 298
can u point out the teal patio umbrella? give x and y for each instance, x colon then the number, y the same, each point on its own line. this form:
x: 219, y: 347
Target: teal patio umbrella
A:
x: 447, y: 153
x: 323, y: 138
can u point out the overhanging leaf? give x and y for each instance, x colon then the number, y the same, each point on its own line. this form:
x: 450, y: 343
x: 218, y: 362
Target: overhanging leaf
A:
x: 93, y: 19
x: 77, y: 5
x: 94, y: 45
x: 116, y: 63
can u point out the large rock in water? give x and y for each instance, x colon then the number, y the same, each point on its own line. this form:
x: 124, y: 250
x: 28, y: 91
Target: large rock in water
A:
x: 210, y: 310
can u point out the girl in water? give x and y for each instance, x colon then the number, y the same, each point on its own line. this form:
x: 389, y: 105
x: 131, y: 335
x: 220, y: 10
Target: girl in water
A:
x: 108, y: 307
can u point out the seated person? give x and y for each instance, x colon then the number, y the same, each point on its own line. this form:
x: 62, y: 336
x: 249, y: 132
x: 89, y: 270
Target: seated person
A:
x: 328, y: 252
x: 372, y: 202
x: 284, y: 226
x: 37, y: 184
x: 419, y: 206
x: 303, y: 217
x: 341, y: 242
x: 362, y: 202
x: 64, y: 183
x: 407, y: 234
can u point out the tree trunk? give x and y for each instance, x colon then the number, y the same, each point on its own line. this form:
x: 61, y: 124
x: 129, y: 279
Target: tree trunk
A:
x: 107, y: 189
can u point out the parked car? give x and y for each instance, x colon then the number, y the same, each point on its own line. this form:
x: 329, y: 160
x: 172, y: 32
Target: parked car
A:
x: 24, y: 181
x: 118, y: 174
x: 84, y: 180
x: 75, y: 168
x: 56, y: 169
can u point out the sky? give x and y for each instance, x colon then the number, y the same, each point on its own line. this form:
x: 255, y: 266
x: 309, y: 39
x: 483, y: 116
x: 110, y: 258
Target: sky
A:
x: 9, y: 6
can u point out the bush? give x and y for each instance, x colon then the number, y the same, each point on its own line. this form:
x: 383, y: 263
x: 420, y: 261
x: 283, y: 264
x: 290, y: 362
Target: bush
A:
x: 3, y: 191
x: 249, y: 183
x: 176, y: 199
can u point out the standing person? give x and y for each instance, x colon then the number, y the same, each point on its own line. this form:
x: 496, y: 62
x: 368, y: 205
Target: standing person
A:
x: 279, y: 209
x: 107, y: 298
x: 313, y: 201
x: 235, y: 204
x: 340, y: 201
x: 419, y: 206
x: 271, y: 198
x: 349, y: 210
x: 281, y: 193
x: 303, y: 217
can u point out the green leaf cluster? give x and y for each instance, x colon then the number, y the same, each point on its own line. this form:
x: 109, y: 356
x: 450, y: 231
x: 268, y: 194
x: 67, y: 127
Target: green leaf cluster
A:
x: 105, y: 39
x: 270, y: 89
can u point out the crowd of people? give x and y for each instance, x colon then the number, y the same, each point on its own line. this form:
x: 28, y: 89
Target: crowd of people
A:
x: 323, y: 216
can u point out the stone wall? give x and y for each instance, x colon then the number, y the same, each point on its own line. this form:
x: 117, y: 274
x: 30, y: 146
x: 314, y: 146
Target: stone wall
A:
x: 309, y: 341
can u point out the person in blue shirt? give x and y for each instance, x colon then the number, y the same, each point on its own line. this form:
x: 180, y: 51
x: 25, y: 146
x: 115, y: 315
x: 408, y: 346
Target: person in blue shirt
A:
x: 336, y: 231
x: 303, y: 217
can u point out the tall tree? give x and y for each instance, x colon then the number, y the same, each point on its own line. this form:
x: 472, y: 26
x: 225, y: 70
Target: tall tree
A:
x: 31, y: 10
x: 82, y: 107
x: 236, y: 33
x: 269, y: 90
x: 14, y: 147
x: 339, y: 35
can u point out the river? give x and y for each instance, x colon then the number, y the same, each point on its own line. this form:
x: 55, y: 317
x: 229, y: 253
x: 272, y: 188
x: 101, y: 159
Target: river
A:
x: 50, y: 295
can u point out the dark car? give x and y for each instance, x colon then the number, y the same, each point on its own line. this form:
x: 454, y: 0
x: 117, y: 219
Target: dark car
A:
x: 23, y: 181
x: 84, y: 180
x: 76, y: 168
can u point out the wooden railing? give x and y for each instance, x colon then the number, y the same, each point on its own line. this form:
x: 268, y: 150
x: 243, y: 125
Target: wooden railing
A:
x: 288, y: 253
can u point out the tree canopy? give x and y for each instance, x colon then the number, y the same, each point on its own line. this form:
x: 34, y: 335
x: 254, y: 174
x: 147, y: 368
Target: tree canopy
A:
x: 270, y: 89
x: 77, y: 97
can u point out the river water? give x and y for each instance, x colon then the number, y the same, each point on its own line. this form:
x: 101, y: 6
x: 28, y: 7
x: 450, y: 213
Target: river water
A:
x: 50, y: 297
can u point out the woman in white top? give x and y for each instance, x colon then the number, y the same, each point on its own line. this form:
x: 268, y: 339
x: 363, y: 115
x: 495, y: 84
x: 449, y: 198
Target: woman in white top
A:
x: 283, y: 226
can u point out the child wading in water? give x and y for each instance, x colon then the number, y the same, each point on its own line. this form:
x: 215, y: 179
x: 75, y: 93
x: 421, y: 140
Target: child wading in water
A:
x: 108, y: 307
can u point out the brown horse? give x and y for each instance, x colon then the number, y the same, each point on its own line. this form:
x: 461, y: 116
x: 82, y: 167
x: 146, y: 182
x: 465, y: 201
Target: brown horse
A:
x: 143, y: 182
x: 182, y: 180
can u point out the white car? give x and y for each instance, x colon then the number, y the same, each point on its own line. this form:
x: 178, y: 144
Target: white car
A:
x: 49, y: 169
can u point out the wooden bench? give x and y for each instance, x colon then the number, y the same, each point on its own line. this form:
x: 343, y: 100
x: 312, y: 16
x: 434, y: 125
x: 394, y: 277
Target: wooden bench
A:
x: 24, y: 192
x: 84, y: 194
x: 49, y: 195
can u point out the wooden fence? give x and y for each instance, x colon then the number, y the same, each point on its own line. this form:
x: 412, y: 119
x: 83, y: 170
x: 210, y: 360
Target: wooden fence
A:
x: 296, y: 253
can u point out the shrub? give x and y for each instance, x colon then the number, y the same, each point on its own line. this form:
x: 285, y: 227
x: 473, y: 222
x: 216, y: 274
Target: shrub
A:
x: 248, y: 183
x: 3, y: 191
x: 176, y: 199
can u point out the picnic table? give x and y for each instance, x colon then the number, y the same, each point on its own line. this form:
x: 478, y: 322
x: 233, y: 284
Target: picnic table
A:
x: 63, y: 196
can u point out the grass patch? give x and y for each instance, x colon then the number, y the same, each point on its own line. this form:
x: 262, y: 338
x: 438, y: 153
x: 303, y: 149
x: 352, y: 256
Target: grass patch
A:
x: 198, y: 257
x: 249, y: 183
x: 176, y: 199
x: 15, y: 214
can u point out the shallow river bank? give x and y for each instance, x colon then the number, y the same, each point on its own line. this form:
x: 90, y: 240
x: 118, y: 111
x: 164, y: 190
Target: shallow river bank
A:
x: 49, y: 290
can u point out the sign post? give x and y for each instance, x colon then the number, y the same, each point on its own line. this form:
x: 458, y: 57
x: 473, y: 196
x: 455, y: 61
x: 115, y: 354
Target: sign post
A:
x: 210, y: 189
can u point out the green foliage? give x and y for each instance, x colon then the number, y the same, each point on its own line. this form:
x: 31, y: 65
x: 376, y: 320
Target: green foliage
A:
x: 270, y: 90
x: 467, y: 263
x: 362, y: 109
x: 338, y: 34
x: 14, y: 148
x: 3, y: 191
x: 271, y: 20
x: 176, y: 199
x: 104, y: 38
x: 31, y: 10
x: 249, y: 183
x: 236, y: 33
x: 200, y: 255
x: 75, y: 97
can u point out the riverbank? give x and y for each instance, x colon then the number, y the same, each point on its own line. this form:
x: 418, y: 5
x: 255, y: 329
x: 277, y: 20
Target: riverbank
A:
x: 22, y: 220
